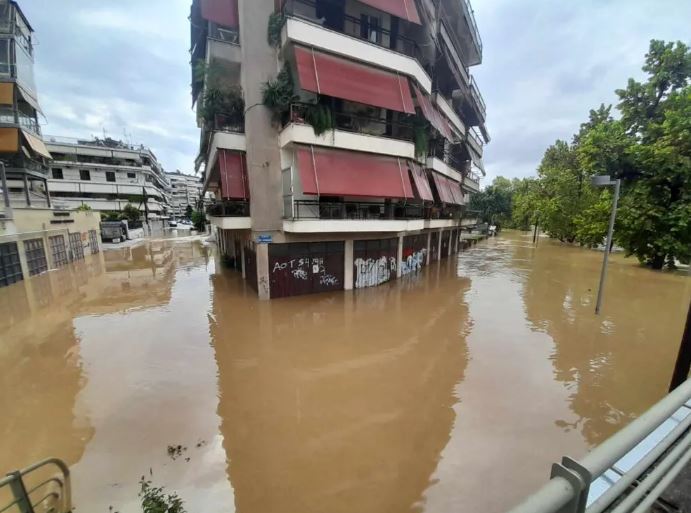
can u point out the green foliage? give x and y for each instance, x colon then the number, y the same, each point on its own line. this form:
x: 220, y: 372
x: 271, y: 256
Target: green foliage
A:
x: 155, y: 500
x: 421, y: 137
x: 199, y: 220
x: 276, y: 22
x: 110, y: 216
x: 83, y: 208
x: 494, y: 203
x: 130, y: 213
x: 592, y: 223
x: 279, y: 94
x: 188, y: 211
x: 320, y: 118
x: 226, y: 101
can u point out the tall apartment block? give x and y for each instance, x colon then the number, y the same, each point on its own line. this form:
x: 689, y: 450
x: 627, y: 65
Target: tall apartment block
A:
x: 106, y: 174
x: 341, y: 138
x: 34, y: 235
x: 185, y: 190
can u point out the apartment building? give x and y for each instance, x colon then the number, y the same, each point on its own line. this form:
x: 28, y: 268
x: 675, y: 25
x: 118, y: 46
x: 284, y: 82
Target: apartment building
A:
x: 34, y: 235
x: 340, y: 138
x: 185, y: 191
x: 106, y: 174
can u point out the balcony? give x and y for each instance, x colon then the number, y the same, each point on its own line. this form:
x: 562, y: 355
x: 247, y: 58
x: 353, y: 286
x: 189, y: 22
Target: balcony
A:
x: 351, y: 132
x: 477, y: 98
x: 471, y: 182
x: 475, y: 141
x: 9, y: 116
x: 314, y: 216
x: 230, y: 214
x: 444, y: 161
x: 458, y: 15
x: 350, y: 40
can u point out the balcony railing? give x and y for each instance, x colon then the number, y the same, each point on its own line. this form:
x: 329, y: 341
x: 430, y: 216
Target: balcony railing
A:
x: 357, y: 123
x: 228, y: 123
x: 472, y: 134
x: 475, y: 93
x: 229, y: 208
x: 7, y: 116
x: 443, y: 153
x: 371, y: 211
x: 474, y: 30
x: 352, y: 26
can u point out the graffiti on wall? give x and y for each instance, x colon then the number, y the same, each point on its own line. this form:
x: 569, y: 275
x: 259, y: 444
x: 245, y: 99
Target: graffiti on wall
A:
x: 304, y: 268
x: 370, y: 272
x: 413, y: 262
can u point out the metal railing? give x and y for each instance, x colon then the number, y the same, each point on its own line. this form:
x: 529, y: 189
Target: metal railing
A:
x: 357, y: 123
x: 52, y: 494
x: 473, y: 25
x: 472, y: 134
x: 228, y: 123
x: 443, y: 153
x: 475, y: 92
x: 629, y: 471
x: 371, y: 211
x: 352, y: 26
x: 229, y: 208
x: 12, y: 116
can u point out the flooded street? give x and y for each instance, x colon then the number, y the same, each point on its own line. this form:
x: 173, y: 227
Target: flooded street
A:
x: 450, y: 390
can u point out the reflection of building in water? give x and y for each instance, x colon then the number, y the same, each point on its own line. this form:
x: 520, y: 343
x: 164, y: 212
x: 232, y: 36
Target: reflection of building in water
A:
x: 40, y: 353
x: 338, y: 404
x: 619, y: 363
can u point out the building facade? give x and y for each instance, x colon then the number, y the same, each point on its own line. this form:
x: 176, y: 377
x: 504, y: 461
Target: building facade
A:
x: 105, y: 174
x: 343, y: 148
x: 185, y: 191
x: 34, y: 235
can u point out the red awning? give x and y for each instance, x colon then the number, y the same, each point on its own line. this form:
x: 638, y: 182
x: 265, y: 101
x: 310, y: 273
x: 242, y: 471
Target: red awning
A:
x: 402, y: 8
x: 436, y: 118
x: 445, y: 194
x: 233, y: 170
x: 424, y: 191
x: 223, y: 12
x: 456, y: 191
x: 326, y: 74
x: 327, y: 172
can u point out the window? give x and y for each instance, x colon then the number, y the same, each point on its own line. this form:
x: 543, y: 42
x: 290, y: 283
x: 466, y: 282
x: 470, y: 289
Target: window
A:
x: 57, y: 173
x: 10, y: 268
x: 58, y: 250
x: 131, y: 175
x: 93, y: 241
x: 35, y: 256
x: 84, y: 174
x: 5, y: 63
x: 76, y: 246
x: 370, y: 28
x: 110, y: 176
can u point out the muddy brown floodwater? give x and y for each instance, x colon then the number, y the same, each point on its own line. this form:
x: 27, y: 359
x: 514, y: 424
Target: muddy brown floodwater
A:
x: 451, y: 390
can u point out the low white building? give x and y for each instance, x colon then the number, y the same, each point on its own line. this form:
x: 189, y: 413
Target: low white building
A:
x: 106, y: 175
x: 184, y: 190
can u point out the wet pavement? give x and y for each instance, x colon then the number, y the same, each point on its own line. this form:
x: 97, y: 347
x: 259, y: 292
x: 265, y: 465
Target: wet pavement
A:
x: 453, y: 389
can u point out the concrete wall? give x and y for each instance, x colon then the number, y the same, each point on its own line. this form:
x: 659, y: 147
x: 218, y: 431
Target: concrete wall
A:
x: 33, y: 223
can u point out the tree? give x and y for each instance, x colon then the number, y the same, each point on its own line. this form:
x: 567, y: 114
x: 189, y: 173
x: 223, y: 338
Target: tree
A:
x: 83, y: 208
x: 131, y: 213
x: 199, y: 220
x: 188, y: 211
x: 656, y: 210
x: 494, y: 203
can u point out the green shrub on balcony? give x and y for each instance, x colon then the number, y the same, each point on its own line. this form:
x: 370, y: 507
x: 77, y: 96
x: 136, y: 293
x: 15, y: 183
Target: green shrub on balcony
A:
x: 279, y: 94
x: 276, y: 22
x: 226, y: 101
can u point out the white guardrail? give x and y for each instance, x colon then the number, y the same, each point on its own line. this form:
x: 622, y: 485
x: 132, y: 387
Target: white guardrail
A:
x: 629, y: 471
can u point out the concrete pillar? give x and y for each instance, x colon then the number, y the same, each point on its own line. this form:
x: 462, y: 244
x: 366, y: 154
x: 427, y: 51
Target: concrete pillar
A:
x: 429, y: 246
x: 450, y: 245
x: 45, y: 186
x: 22, y: 259
x: 242, y: 263
x: 399, y: 257
x: 219, y: 240
x: 263, y: 287
x: 439, y: 246
x: 348, y: 265
x: 26, y: 191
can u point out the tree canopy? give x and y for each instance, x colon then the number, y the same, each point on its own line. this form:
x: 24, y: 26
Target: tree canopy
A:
x: 648, y: 147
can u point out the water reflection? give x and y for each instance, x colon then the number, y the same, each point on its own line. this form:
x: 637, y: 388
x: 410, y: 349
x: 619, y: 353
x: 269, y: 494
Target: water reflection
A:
x: 450, y: 390
x: 338, y: 402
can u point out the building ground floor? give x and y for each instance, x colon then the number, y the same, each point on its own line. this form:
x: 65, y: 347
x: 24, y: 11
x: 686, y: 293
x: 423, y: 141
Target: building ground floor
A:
x: 35, y: 240
x: 282, y: 265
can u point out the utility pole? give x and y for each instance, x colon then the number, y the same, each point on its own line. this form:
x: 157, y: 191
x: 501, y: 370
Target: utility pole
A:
x: 683, y: 365
x: 601, y: 181
x: 5, y: 191
x: 537, y: 220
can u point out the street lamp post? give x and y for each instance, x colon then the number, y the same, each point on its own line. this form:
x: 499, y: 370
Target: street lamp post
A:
x: 604, y: 181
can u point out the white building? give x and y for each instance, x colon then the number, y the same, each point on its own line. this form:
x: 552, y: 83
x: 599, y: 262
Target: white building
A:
x: 184, y: 190
x: 105, y: 175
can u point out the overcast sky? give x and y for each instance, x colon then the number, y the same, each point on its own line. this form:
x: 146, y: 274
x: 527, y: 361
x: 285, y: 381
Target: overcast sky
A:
x: 124, y: 66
